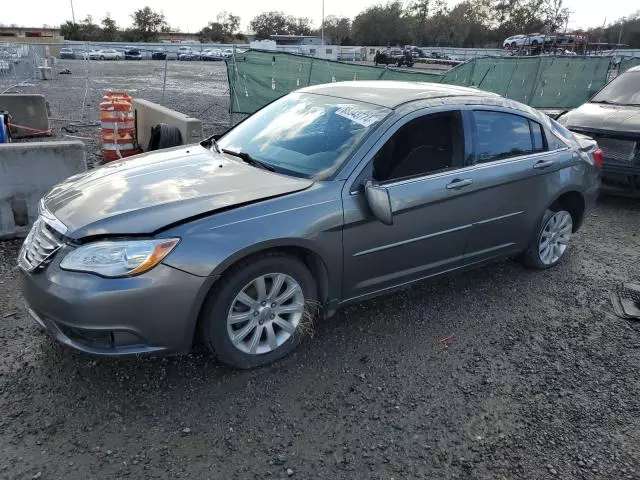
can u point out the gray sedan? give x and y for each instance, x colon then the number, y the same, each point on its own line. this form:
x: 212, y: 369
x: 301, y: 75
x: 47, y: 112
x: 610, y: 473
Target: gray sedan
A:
x: 330, y: 195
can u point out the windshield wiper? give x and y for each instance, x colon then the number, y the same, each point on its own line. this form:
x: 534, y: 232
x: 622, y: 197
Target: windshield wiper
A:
x: 249, y: 159
x: 606, y: 102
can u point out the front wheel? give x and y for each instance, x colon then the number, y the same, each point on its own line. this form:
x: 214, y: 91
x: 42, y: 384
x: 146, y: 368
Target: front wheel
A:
x: 101, y: 57
x: 260, y: 311
x: 551, y: 240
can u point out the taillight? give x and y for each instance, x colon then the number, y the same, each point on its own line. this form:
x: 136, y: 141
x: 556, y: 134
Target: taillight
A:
x: 598, y: 158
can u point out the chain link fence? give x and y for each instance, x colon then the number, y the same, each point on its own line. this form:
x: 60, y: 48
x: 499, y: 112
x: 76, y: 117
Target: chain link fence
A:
x: 18, y: 63
x: 32, y: 69
x: 78, y: 80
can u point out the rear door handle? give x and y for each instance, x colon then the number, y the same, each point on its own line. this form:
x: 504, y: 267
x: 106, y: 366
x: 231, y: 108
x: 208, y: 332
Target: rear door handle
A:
x: 543, y: 164
x: 459, y: 183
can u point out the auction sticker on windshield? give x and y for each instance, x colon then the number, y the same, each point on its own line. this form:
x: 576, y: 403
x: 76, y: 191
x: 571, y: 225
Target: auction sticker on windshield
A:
x: 359, y: 115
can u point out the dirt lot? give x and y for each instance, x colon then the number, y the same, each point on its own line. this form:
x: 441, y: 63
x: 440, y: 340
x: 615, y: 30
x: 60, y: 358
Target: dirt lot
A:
x: 198, y: 89
x: 538, y: 379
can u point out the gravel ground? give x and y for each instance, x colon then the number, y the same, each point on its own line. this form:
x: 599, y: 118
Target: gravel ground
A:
x: 499, y: 373
x: 198, y: 89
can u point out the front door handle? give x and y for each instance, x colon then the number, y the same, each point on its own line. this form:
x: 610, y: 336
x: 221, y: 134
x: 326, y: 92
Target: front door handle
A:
x: 543, y: 164
x: 459, y: 183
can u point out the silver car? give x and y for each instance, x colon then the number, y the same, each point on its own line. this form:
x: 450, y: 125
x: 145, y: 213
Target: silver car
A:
x: 330, y: 195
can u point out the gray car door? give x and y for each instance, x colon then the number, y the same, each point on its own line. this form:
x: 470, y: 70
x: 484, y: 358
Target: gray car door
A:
x: 431, y: 219
x: 511, y: 182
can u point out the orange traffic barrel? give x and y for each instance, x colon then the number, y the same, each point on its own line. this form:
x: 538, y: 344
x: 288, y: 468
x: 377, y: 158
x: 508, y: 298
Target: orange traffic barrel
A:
x: 117, y: 122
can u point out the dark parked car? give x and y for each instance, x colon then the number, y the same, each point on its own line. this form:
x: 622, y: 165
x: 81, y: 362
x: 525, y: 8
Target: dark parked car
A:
x: 330, y: 195
x: 159, y: 54
x: 132, y: 54
x: 393, y: 57
x: 417, y: 52
x: 612, y: 118
x: 67, y: 53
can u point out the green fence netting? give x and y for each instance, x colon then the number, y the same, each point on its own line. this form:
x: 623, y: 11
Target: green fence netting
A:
x: 257, y: 78
x: 541, y: 82
x: 627, y: 63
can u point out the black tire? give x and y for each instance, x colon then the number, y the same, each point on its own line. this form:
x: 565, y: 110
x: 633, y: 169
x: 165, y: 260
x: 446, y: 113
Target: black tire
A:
x: 213, y: 318
x: 531, y: 257
x: 164, y: 136
x: 101, y: 57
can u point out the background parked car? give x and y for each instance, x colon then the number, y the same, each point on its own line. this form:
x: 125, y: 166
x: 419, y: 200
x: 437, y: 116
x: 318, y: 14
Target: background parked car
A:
x: 612, y: 118
x: 191, y: 56
x: 106, y: 54
x: 67, y: 53
x: 567, y: 38
x: 132, y: 54
x: 159, y: 54
x: 532, y: 39
x: 187, y: 53
x: 416, y: 52
x: 211, y: 55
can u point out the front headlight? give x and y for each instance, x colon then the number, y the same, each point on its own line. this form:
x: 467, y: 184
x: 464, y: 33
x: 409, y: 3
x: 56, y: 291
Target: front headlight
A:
x: 119, y: 258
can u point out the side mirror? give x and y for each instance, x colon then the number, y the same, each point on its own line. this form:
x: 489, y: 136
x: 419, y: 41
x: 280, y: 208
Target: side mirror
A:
x: 379, y: 202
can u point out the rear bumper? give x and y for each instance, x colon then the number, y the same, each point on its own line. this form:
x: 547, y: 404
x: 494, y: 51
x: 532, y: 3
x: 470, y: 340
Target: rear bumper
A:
x: 151, y: 313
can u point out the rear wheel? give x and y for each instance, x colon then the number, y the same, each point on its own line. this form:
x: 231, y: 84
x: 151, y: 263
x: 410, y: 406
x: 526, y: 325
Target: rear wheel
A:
x: 260, y: 312
x: 101, y: 57
x: 550, y: 241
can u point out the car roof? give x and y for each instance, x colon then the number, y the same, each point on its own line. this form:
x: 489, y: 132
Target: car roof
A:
x: 391, y: 94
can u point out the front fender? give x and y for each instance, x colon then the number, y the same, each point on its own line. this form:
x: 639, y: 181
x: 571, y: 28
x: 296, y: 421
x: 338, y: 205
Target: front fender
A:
x: 310, y: 220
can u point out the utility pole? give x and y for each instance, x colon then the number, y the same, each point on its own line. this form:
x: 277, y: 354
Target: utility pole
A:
x: 620, y: 35
x: 73, y: 15
x: 322, y: 28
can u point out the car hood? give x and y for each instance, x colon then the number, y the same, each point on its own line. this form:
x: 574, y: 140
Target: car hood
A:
x: 143, y: 194
x: 599, y: 116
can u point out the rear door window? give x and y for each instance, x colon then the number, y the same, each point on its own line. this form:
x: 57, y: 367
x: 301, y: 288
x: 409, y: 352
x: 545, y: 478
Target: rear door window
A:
x: 504, y: 135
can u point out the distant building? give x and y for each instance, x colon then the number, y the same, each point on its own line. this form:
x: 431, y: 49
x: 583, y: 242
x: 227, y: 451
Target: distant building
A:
x: 178, y: 37
x: 30, y: 35
x: 328, y: 52
x: 297, y: 40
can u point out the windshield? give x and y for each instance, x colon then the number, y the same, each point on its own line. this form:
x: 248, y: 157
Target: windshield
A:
x: 304, y: 134
x: 623, y: 90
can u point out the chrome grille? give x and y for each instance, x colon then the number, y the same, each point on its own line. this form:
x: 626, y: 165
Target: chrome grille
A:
x: 617, y: 149
x: 39, y: 246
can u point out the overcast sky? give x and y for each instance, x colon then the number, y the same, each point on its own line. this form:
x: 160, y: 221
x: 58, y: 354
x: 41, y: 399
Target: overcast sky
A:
x: 192, y: 15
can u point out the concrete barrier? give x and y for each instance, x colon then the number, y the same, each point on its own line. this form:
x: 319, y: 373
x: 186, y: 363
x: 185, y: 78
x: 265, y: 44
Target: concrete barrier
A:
x: 29, y: 111
x: 149, y: 114
x: 27, y: 173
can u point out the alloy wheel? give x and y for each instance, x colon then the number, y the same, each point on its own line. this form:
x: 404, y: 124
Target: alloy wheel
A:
x: 555, y: 237
x: 265, y: 313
